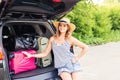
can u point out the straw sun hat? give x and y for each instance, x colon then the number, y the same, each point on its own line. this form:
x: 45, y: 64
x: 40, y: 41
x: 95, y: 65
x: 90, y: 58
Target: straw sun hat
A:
x: 65, y: 20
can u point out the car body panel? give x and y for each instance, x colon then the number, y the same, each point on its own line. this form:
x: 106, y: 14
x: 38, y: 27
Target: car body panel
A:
x: 46, y: 76
x: 50, y: 9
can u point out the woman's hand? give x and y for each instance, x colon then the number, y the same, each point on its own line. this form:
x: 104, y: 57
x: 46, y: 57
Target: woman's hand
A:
x: 75, y: 59
x: 27, y: 54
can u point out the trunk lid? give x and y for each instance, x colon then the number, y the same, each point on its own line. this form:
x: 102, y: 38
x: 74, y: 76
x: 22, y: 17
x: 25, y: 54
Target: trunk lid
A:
x: 51, y: 9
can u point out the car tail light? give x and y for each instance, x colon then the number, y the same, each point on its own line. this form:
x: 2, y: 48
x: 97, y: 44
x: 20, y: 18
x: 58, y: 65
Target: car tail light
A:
x: 57, y: 0
x: 1, y: 54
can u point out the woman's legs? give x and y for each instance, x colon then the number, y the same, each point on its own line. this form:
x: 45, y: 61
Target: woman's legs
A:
x: 75, y: 76
x: 65, y: 76
x: 70, y: 71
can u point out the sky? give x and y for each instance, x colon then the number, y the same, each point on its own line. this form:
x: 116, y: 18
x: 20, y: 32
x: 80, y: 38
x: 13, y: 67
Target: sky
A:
x: 98, y: 1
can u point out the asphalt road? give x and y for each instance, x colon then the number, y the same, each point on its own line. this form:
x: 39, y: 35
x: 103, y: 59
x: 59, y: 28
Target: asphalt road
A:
x: 101, y: 62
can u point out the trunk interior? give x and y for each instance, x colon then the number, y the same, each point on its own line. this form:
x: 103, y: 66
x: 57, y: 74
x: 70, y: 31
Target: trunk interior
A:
x: 12, y: 30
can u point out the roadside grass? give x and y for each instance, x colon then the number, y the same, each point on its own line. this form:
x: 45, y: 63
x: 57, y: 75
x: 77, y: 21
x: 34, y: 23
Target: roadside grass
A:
x: 113, y: 36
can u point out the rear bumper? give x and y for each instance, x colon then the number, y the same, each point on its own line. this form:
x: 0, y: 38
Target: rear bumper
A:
x: 1, y: 70
x: 1, y: 64
x: 52, y: 75
x: 1, y: 74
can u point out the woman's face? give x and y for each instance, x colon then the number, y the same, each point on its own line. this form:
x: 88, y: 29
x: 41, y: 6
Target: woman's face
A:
x: 63, y: 27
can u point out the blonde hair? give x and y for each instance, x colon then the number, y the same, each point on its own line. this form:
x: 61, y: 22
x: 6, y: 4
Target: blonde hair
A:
x: 67, y: 35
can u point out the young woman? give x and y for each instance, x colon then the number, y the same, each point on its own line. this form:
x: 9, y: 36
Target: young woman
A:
x: 65, y: 61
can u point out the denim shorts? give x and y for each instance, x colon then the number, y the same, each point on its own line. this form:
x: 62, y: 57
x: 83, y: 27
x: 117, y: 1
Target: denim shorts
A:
x: 70, y: 67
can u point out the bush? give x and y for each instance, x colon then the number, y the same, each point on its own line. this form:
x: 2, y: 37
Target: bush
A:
x: 102, y: 24
x: 82, y: 20
x: 95, y: 24
x: 115, y: 18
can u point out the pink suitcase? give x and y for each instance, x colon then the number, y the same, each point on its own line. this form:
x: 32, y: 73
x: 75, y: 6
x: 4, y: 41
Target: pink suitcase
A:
x: 21, y: 63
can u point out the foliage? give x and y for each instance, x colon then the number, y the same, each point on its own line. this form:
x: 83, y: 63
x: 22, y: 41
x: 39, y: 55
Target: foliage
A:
x: 115, y: 18
x: 95, y: 24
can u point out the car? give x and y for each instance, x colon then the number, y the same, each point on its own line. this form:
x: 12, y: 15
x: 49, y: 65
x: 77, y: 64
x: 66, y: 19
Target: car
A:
x: 32, y: 17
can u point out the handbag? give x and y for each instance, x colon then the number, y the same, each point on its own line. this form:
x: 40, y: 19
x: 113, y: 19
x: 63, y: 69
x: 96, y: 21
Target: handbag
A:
x: 26, y: 41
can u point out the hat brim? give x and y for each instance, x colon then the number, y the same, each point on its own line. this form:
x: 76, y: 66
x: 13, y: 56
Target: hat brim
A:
x: 71, y: 25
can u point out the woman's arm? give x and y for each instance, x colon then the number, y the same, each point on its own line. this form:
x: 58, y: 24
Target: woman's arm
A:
x: 43, y: 54
x: 83, y: 46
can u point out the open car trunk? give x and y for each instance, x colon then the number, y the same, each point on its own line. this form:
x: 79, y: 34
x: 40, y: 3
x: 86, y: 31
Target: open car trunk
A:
x: 14, y: 29
x: 31, y: 17
x: 50, y: 8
